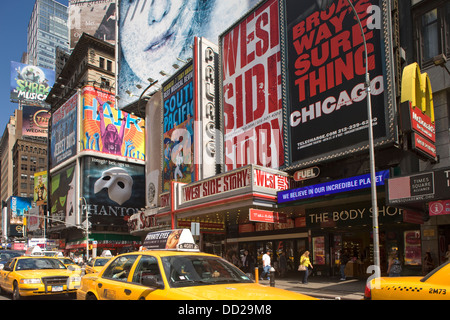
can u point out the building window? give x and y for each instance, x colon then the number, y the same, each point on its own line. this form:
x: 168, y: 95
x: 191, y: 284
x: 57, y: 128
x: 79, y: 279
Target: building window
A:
x: 432, y: 22
x: 109, y: 65
x: 101, y: 62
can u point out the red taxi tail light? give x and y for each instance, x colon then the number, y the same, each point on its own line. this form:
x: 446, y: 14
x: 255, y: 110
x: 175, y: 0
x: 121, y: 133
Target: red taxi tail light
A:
x: 367, y: 292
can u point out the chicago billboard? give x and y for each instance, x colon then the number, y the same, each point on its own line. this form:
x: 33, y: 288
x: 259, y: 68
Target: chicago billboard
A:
x: 324, y: 60
x: 251, y: 89
x: 153, y: 34
x: 30, y: 84
x: 112, y: 191
x: 108, y: 130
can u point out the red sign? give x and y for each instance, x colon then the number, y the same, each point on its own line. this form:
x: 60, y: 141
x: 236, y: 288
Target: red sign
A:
x: 412, y: 217
x: 437, y: 208
x: 267, y: 216
x: 271, y: 180
x: 423, y: 146
x: 306, y: 174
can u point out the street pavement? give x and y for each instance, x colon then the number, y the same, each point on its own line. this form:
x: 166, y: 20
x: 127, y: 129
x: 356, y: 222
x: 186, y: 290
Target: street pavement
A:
x: 323, y: 287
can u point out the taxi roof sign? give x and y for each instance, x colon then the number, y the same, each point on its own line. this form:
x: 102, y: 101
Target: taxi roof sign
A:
x: 176, y: 239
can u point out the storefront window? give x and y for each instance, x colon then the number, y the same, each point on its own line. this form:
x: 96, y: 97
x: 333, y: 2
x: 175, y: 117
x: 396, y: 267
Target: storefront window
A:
x: 319, y: 250
x: 413, y: 250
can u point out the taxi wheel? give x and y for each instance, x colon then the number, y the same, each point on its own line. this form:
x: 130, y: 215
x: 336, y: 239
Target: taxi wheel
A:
x: 16, y: 293
x: 91, y: 296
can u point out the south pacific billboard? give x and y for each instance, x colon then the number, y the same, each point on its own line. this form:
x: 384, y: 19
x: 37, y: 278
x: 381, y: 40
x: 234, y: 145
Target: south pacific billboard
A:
x: 35, y: 121
x: 108, y: 130
x: 112, y: 191
x: 326, y: 99
x: 251, y: 89
x: 178, y: 128
x: 30, y: 84
x: 155, y: 35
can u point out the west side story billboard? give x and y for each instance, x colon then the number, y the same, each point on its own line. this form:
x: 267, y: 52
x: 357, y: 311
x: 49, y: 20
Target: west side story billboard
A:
x: 251, y: 89
x: 153, y: 34
x: 325, y: 101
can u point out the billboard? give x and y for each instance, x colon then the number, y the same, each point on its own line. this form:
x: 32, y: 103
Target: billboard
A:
x: 64, y: 132
x: 94, y: 17
x: 63, y: 204
x: 251, y: 90
x: 178, y: 128
x: 153, y: 34
x: 324, y: 63
x: 112, y: 190
x: 35, y: 121
x: 30, y: 84
x: 40, y: 188
x: 108, y: 130
x: 18, y: 208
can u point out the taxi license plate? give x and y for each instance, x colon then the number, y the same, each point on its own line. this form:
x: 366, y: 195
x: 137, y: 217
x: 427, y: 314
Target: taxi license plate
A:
x: 57, y: 288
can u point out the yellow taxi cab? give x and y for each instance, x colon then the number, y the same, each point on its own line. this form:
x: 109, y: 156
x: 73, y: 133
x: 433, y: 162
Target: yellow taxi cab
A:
x: 96, y: 264
x: 37, y: 275
x: 69, y: 262
x: 434, y: 286
x: 172, y: 268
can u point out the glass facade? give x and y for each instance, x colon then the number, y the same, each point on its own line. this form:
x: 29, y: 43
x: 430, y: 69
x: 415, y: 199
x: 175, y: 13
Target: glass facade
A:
x: 47, y: 30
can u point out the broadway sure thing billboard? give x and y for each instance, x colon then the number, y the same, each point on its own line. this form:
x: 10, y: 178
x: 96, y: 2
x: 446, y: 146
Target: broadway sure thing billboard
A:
x: 324, y: 58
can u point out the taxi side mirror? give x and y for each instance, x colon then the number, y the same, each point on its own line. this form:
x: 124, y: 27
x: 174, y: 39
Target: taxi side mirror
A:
x: 152, y: 282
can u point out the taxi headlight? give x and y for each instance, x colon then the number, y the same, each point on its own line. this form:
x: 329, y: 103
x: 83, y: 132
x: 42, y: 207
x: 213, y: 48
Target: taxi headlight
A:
x: 30, y: 281
x: 75, y: 279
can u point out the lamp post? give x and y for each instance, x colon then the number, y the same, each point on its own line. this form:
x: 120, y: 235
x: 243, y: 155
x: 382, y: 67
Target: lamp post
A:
x: 373, y: 185
x: 87, y: 227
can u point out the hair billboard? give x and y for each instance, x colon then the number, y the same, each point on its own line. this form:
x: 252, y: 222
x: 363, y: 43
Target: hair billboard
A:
x: 108, y: 130
x: 324, y: 60
x: 251, y: 89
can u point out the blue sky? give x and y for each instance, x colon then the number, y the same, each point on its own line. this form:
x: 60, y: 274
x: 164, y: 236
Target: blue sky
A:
x: 14, y: 17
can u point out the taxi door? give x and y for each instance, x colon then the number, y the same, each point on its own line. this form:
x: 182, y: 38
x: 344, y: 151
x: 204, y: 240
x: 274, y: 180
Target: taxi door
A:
x: 7, y: 275
x: 127, y: 278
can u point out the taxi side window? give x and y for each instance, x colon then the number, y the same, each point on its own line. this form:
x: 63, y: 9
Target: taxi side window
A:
x: 120, y: 268
x: 146, y: 269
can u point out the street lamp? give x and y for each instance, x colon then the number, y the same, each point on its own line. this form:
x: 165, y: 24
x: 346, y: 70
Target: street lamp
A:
x: 373, y: 185
x: 87, y: 227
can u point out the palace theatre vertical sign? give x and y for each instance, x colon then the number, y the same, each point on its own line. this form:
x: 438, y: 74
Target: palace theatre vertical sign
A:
x: 324, y: 59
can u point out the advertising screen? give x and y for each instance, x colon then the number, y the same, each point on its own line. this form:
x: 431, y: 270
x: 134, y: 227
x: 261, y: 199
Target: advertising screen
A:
x: 35, y: 121
x: 64, y: 132
x: 40, y: 188
x: 63, y: 204
x: 112, y: 191
x: 325, y: 65
x: 30, y: 84
x: 154, y: 35
x: 178, y: 128
x: 108, y: 130
x: 251, y: 90
x: 18, y: 206
x: 94, y: 17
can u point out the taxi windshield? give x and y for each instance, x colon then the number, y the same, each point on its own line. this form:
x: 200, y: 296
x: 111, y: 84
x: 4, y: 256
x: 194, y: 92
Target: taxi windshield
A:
x: 100, y: 262
x: 39, y: 264
x: 194, y: 270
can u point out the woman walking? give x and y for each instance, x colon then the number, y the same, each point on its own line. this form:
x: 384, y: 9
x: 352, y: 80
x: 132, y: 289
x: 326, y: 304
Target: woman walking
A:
x: 305, y: 263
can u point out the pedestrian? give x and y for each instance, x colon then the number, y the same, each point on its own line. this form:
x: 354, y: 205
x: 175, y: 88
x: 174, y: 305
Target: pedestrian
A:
x: 343, y: 262
x: 305, y: 263
x: 428, y: 264
x: 395, y: 265
x: 247, y: 262
x: 266, y: 265
x: 447, y: 254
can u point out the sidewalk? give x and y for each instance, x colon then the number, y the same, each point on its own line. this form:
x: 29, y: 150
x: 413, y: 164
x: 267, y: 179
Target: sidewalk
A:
x: 323, y: 287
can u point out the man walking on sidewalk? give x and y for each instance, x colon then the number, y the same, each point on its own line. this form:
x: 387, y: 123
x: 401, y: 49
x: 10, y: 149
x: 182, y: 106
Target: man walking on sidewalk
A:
x: 266, y: 265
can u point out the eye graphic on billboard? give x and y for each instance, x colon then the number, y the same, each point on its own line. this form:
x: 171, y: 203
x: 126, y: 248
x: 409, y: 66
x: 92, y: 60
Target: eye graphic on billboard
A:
x: 112, y: 190
x: 324, y: 59
x: 153, y: 34
x: 251, y: 90
x: 30, y: 84
x: 64, y: 132
x: 108, y: 130
x: 178, y: 128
